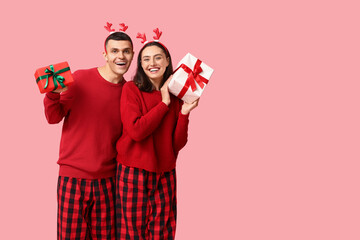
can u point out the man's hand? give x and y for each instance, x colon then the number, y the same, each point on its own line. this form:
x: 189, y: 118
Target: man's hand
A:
x: 59, y: 90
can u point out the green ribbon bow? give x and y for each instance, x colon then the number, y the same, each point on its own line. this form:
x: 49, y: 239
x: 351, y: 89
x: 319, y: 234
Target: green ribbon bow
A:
x: 56, y: 78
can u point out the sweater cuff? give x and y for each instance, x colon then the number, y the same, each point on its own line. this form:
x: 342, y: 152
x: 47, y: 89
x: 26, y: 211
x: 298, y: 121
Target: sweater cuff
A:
x: 53, y: 96
x: 184, y: 116
x: 163, y: 106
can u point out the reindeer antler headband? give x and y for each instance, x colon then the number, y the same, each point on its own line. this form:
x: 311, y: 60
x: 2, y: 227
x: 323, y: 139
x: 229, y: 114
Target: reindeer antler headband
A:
x: 122, y: 29
x: 156, y: 38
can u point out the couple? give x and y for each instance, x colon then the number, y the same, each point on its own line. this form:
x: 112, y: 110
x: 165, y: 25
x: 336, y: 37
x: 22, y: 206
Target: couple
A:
x: 119, y: 145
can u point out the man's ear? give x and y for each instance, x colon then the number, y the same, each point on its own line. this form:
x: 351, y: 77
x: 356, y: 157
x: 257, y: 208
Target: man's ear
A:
x: 105, y: 56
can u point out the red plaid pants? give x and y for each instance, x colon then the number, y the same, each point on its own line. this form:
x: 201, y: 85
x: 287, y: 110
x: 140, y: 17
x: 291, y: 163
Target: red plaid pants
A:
x: 145, y: 204
x: 86, y: 208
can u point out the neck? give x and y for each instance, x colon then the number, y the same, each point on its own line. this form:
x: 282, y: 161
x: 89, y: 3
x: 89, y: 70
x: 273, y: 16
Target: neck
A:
x: 109, y: 75
x: 156, y: 83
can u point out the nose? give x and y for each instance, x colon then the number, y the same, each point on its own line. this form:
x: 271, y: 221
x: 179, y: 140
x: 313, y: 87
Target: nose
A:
x: 152, y: 61
x: 121, y: 55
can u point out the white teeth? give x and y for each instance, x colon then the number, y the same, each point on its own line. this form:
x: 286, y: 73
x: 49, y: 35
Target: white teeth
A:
x: 121, y: 63
x: 153, y: 69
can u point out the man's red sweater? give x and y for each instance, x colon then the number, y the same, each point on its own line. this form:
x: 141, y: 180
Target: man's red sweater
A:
x: 92, y: 125
x: 153, y: 133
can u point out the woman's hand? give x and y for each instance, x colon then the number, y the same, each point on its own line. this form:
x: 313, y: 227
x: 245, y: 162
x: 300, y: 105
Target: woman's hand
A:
x: 165, y: 92
x: 188, y: 107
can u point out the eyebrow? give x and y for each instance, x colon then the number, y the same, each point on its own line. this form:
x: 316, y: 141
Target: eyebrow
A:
x: 120, y: 49
x: 154, y: 55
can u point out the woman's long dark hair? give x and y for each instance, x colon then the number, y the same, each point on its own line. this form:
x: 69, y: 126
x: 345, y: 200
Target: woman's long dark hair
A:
x: 141, y: 80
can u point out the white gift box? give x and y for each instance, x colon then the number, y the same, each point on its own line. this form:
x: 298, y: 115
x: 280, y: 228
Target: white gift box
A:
x: 190, y: 78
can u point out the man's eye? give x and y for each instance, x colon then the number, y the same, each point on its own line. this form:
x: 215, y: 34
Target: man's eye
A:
x: 126, y: 51
x: 158, y: 58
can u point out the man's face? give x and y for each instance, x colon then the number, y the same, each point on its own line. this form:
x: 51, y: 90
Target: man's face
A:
x: 119, y: 56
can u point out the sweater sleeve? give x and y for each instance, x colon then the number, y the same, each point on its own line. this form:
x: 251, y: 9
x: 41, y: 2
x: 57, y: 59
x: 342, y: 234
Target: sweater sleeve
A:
x: 139, y: 125
x: 181, y: 132
x: 58, y: 105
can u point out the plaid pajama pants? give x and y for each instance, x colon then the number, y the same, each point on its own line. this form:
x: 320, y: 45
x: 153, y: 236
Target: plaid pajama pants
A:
x: 145, y: 204
x: 86, y: 208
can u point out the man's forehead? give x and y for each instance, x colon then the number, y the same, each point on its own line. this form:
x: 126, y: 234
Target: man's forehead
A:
x: 119, y: 43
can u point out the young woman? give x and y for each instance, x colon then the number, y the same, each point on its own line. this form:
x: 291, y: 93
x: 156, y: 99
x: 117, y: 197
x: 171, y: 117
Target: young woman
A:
x: 155, y: 126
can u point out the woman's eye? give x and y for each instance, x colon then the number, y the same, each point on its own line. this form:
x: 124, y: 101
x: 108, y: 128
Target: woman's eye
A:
x: 158, y: 58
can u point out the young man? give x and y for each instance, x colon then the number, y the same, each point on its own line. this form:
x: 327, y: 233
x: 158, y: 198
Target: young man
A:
x: 91, y: 111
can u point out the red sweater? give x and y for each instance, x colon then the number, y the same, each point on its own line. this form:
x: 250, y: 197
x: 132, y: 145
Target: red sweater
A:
x: 153, y: 133
x: 92, y: 125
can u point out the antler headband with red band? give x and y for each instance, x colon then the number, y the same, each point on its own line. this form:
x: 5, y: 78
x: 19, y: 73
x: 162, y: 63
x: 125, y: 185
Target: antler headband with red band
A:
x: 156, y: 38
x: 122, y: 29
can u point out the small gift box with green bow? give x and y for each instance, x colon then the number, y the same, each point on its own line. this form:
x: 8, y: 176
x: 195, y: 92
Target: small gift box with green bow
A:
x: 53, y: 77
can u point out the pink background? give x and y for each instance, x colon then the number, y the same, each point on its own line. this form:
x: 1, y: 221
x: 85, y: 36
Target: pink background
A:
x: 273, y: 151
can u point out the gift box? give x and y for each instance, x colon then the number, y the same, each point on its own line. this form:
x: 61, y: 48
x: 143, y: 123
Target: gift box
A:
x: 190, y: 78
x: 53, y: 77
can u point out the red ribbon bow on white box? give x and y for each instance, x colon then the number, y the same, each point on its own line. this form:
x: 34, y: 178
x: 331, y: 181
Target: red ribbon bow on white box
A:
x: 194, y: 76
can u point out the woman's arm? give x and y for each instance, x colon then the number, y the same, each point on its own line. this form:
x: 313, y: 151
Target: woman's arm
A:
x: 137, y: 125
x: 181, y: 130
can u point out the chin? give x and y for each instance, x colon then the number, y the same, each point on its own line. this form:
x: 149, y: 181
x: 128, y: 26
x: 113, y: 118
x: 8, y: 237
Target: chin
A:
x: 120, y: 71
x: 152, y: 77
x: 155, y: 77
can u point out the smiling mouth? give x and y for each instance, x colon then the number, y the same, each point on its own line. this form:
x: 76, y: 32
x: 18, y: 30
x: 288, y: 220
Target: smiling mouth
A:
x: 121, y: 64
x: 153, y: 70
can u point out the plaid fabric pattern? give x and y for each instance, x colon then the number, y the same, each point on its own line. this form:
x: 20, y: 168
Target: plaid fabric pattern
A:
x: 145, y: 204
x: 86, y: 208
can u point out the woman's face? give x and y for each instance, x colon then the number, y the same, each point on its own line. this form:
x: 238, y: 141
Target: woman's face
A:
x: 154, y: 63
